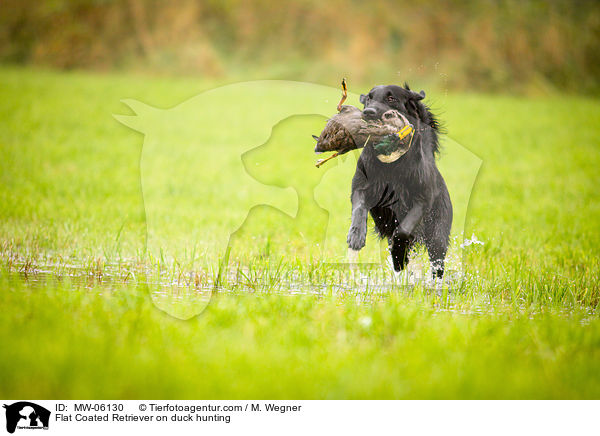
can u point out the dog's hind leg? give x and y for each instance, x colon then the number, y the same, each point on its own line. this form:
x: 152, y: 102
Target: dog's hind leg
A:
x: 437, y: 225
x: 437, y: 248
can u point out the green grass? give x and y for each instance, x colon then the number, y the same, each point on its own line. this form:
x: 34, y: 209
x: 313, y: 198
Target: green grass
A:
x: 81, y: 295
x: 277, y: 346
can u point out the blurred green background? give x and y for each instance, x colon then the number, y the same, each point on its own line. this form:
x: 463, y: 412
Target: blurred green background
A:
x: 505, y: 45
x: 78, y: 285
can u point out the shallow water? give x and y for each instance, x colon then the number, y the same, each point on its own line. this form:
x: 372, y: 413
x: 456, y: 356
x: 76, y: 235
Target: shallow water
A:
x: 184, y: 294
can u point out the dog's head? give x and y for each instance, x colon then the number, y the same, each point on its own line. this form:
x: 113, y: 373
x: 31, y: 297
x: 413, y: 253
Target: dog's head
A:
x: 383, y: 98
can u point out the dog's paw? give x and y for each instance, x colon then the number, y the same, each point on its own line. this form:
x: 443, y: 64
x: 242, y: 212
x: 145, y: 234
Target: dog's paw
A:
x: 357, y: 237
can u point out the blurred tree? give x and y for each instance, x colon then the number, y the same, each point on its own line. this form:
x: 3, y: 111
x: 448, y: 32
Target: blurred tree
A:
x: 490, y: 45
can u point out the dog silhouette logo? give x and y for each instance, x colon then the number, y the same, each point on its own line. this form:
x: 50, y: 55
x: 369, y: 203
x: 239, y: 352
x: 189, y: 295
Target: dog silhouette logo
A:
x: 26, y: 415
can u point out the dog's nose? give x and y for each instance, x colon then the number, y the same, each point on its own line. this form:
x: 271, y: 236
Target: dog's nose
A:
x: 370, y: 112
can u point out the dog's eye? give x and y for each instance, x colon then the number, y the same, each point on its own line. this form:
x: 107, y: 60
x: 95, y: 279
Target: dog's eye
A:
x: 391, y: 98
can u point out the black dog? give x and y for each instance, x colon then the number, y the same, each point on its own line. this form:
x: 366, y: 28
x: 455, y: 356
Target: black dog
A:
x: 408, y: 198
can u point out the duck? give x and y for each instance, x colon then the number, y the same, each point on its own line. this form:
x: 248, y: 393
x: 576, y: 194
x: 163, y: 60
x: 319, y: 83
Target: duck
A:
x: 348, y: 130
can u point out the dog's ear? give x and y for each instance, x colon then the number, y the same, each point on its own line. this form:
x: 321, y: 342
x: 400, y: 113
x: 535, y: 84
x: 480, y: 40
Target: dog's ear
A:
x: 417, y: 95
x: 363, y: 99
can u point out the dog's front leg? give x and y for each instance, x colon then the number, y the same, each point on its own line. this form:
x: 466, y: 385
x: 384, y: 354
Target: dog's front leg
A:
x: 357, y: 234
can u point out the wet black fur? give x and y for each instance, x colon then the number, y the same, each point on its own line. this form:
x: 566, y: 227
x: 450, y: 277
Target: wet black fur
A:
x: 408, y: 199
